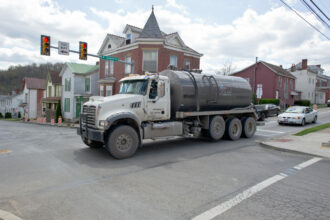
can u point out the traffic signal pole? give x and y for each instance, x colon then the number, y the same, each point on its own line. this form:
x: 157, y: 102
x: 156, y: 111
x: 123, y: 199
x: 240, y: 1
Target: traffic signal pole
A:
x: 98, y: 56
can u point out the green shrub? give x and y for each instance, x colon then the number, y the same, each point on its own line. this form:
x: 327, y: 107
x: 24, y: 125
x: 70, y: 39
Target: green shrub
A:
x: 19, y: 115
x: 1, y: 116
x: 58, y: 112
x: 269, y: 101
x: 302, y: 102
x: 8, y: 115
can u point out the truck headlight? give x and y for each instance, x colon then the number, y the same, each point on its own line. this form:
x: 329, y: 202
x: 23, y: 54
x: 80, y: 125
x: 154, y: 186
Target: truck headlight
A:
x: 103, y: 123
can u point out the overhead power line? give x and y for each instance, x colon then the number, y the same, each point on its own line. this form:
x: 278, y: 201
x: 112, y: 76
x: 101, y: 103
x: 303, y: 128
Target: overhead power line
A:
x: 314, y: 12
x: 315, y: 28
x: 320, y: 10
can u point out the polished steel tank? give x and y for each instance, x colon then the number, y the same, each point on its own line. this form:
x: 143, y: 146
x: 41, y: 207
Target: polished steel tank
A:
x: 202, y: 92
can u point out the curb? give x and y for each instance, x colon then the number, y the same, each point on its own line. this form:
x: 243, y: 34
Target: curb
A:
x: 262, y: 144
x: 8, y: 216
x: 49, y: 125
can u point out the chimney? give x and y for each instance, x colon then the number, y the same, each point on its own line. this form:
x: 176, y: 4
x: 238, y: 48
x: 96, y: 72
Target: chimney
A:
x: 281, y: 66
x: 304, y: 64
x: 293, y: 67
x: 319, y: 65
x: 97, y: 63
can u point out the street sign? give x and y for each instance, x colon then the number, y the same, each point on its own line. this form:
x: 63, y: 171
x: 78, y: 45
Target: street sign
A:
x: 63, y: 48
x: 109, y: 58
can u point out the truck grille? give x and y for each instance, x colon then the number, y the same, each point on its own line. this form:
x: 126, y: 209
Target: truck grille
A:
x: 91, y: 113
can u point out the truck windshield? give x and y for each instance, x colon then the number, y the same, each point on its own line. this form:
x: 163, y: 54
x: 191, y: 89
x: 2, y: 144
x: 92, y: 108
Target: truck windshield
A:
x: 134, y: 87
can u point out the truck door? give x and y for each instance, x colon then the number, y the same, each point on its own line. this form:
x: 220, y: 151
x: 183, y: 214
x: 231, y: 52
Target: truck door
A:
x: 158, y: 101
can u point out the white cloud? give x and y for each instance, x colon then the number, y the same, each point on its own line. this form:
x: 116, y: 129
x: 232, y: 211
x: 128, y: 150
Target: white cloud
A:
x: 277, y: 35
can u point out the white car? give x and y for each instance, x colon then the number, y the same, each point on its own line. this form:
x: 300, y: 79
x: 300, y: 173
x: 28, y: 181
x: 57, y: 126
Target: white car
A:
x: 298, y: 115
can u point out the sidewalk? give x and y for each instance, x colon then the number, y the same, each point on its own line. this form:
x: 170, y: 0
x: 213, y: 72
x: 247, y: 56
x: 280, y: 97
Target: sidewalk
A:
x: 316, y: 143
x: 64, y: 124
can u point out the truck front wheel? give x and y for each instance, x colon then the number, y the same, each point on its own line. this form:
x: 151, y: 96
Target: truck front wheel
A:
x: 233, y: 129
x: 122, y: 142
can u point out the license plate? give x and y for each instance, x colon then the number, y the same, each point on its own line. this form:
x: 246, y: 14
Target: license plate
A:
x: 286, y: 120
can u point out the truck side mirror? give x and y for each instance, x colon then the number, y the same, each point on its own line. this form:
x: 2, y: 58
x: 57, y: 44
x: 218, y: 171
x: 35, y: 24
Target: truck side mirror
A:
x: 161, y: 89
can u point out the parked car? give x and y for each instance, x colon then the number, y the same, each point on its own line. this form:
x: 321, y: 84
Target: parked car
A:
x: 267, y: 110
x: 298, y: 115
x: 329, y: 103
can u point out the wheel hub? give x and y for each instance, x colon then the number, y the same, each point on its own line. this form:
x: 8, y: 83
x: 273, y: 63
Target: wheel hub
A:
x: 124, y: 142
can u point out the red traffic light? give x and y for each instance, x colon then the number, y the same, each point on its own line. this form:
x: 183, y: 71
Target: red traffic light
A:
x: 46, y: 39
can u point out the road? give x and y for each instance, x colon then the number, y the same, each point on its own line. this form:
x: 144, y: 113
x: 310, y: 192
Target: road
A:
x: 48, y: 173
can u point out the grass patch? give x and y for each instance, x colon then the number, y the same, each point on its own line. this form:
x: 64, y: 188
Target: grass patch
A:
x: 10, y: 119
x: 313, y: 129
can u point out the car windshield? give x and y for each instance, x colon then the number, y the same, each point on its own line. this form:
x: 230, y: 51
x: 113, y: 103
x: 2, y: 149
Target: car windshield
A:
x: 295, y: 110
x: 134, y: 87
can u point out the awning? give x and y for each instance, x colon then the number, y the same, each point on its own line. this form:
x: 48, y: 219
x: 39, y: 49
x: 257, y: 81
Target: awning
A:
x: 294, y: 93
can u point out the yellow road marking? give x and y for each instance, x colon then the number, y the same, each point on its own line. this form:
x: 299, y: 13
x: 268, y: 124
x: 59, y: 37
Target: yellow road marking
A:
x: 4, y: 151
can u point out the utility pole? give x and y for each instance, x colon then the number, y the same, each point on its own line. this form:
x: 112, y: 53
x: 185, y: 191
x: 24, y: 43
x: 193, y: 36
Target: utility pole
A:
x: 255, y: 76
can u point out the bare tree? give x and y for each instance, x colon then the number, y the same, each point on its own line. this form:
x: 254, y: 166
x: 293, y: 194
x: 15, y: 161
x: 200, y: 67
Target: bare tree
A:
x: 227, y: 68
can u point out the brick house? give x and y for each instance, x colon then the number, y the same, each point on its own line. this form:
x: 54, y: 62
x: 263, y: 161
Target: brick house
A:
x: 53, y: 94
x: 311, y: 81
x: 149, y: 48
x: 33, y: 92
x: 275, y: 82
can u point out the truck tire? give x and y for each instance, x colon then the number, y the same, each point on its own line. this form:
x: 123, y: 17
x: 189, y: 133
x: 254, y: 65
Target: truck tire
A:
x: 217, y: 128
x: 249, y: 127
x: 92, y: 144
x: 122, y: 142
x: 233, y: 129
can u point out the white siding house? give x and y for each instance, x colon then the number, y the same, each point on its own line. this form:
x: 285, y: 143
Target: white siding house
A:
x: 79, y: 82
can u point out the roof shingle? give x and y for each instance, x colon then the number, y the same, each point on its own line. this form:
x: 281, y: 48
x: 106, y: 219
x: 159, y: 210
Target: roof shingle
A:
x: 34, y: 83
x: 151, y: 28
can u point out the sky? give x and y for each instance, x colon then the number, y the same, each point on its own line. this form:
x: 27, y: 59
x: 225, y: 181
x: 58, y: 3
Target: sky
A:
x: 224, y: 31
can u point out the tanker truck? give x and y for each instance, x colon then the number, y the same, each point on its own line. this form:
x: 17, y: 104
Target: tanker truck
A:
x: 170, y: 103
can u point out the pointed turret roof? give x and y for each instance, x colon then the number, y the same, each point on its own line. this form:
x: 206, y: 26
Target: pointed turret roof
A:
x: 151, y: 28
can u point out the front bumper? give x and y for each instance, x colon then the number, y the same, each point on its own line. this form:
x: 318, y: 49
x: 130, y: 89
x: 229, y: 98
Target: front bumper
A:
x: 289, y: 121
x: 90, y: 133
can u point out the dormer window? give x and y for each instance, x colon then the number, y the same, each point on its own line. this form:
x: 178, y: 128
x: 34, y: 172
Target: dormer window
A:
x: 128, y: 38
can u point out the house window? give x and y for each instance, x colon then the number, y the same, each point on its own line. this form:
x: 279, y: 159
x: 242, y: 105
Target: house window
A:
x: 187, y: 64
x: 106, y: 68
x: 174, y: 60
x: 150, y: 61
x: 67, y: 85
x: 309, y: 80
x: 276, y: 94
x: 49, y: 91
x: 87, y: 84
x: 111, y: 67
x: 55, y: 93
x: 108, y: 91
x: 67, y: 105
x: 128, y: 38
x: 102, y: 90
x: 128, y: 68
x: 109, y: 46
x: 291, y: 84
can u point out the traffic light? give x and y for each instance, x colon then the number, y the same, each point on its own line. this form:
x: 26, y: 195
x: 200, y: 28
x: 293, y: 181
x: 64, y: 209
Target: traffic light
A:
x: 45, y: 45
x: 82, y: 50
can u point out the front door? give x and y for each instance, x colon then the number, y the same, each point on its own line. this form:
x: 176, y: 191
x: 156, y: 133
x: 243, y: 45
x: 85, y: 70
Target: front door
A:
x: 78, y: 109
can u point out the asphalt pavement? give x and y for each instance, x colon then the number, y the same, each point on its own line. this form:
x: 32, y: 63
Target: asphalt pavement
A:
x: 48, y: 173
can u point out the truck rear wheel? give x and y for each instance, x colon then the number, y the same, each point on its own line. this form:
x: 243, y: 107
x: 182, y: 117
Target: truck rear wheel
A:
x: 217, y: 128
x: 233, y: 129
x: 249, y: 127
x: 123, y: 142
x: 92, y: 144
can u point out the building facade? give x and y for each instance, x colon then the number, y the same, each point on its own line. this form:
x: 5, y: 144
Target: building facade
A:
x: 149, y: 48
x: 33, y: 92
x: 79, y: 82
x: 12, y: 103
x: 311, y: 82
x: 273, y: 81
x: 53, y: 94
